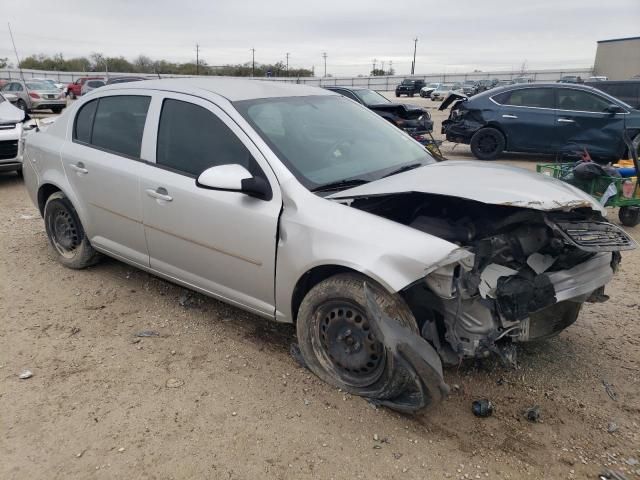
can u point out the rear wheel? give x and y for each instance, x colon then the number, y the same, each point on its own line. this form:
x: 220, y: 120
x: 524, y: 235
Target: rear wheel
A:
x: 629, y: 216
x: 68, y: 241
x: 487, y: 143
x: 337, y: 342
x: 57, y: 110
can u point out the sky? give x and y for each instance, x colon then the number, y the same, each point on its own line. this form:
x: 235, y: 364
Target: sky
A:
x: 459, y: 36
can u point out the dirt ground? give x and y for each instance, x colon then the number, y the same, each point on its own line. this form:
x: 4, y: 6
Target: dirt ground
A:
x: 217, y: 394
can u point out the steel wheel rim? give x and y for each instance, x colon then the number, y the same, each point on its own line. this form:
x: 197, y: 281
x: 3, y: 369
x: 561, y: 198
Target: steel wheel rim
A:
x: 347, y: 344
x: 64, y: 232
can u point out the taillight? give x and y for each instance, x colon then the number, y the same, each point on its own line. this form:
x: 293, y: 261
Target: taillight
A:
x: 34, y: 95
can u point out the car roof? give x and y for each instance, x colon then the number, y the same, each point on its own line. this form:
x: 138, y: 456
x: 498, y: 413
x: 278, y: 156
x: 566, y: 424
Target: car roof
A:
x: 520, y: 86
x: 233, y: 89
x: 346, y: 87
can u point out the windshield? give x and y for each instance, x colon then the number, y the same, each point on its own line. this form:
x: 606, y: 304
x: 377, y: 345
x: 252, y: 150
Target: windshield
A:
x: 38, y: 86
x: 469, y: 82
x: 369, y: 97
x: 408, y: 82
x: 433, y: 85
x: 327, y: 139
x: 445, y: 86
x: 95, y: 83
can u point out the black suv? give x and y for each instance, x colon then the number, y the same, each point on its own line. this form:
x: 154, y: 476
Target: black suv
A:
x: 409, y: 87
x: 410, y: 118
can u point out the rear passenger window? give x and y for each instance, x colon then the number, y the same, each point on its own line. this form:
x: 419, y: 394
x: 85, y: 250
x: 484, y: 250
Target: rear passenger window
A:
x: 119, y: 124
x: 192, y: 139
x: 528, y: 97
x: 84, y: 122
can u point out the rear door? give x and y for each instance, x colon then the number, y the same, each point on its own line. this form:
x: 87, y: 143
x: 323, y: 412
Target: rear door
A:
x: 221, y: 242
x: 527, y: 116
x: 102, y: 164
x: 584, y: 123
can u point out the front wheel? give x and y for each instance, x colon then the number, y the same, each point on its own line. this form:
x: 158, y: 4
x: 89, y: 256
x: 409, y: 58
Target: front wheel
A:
x: 66, y: 235
x: 487, y: 143
x: 338, y: 344
x: 22, y: 105
x: 629, y: 216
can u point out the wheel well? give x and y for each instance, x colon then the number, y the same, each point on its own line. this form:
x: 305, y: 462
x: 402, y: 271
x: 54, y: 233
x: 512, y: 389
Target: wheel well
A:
x: 44, y: 193
x: 309, y: 280
x: 499, y: 128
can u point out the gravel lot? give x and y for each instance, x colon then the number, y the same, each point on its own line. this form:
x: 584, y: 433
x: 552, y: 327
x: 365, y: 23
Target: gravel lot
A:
x: 217, y: 394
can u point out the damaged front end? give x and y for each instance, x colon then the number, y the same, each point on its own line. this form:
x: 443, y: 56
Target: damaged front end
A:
x: 519, y: 274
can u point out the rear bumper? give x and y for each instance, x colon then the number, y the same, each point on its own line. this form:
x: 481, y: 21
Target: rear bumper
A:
x: 45, y: 103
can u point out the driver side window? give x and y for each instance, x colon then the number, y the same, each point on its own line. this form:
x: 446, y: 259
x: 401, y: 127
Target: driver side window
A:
x: 192, y: 139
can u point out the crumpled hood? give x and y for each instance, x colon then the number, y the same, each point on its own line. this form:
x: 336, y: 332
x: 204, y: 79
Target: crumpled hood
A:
x: 483, y: 182
x: 10, y: 113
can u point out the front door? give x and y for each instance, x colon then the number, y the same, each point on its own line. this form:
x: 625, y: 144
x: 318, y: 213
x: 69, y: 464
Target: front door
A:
x: 527, y: 117
x: 102, y: 166
x: 584, y: 123
x: 223, y: 243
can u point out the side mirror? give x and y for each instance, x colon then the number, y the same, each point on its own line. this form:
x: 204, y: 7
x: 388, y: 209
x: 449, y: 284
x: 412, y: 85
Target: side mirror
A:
x: 234, y: 178
x: 613, y: 108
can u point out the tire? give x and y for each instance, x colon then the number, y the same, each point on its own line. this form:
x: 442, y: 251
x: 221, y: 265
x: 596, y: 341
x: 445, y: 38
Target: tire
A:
x: 487, y: 143
x: 629, y: 216
x: 66, y: 236
x: 337, y: 307
x: 22, y: 105
x: 411, y: 94
x: 19, y: 171
x: 57, y: 110
x: 397, y: 94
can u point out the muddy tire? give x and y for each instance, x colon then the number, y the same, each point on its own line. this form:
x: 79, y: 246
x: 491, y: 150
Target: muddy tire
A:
x: 67, y: 239
x: 336, y: 341
x: 487, y: 143
x: 629, y: 216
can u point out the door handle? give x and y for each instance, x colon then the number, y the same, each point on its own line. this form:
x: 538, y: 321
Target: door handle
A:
x: 159, y: 193
x: 79, y: 167
x: 565, y: 120
x: 509, y: 116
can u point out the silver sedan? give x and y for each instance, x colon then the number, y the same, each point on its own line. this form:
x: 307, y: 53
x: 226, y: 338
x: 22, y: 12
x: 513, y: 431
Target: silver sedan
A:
x: 302, y: 206
x: 34, y: 95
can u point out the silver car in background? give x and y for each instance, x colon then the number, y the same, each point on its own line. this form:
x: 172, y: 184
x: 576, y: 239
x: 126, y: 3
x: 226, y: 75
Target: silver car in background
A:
x: 11, y: 135
x: 444, y: 89
x: 299, y: 205
x: 91, y: 85
x: 33, y: 95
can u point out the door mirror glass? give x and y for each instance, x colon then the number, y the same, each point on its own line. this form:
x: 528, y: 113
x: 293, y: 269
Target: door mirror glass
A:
x: 613, y: 108
x: 234, y: 178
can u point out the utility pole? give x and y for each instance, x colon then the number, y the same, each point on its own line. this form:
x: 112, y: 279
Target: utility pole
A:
x: 324, y: 56
x: 197, y: 59
x: 253, y: 62
x: 390, y: 67
x: 415, y: 46
x: 382, y: 68
x: 288, y: 63
x: 374, y: 65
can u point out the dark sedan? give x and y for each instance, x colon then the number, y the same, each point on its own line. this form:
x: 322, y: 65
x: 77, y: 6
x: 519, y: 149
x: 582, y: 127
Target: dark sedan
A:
x: 413, y: 119
x: 557, y: 118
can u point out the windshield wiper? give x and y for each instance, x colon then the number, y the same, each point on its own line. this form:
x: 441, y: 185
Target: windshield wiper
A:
x: 404, y: 168
x: 340, y: 184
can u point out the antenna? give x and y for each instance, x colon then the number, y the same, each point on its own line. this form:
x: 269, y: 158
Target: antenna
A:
x: 17, y: 57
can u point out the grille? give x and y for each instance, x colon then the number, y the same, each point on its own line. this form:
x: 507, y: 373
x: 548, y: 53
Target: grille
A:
x: 8, y: 149
x: 596, y: 236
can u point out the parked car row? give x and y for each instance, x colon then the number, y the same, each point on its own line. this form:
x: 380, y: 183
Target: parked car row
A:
x: 36, y: 95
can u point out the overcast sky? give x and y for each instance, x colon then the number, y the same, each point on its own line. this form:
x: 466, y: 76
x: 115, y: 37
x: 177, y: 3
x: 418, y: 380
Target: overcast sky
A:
x: 453, y: 36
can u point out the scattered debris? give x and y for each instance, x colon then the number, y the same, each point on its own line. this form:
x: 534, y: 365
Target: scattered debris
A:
x: 482, y: 408
x: 174, y: 383
x: 25, y: 374
x: 307, y: 402
x: 632, y: 461
x: 612, y: 427
x: 121, y: 449
x: 610, y: 391
x: 147, y: 333
x: 27, y: 217
x: 533, y: 413
x: 611, y: 475
x: 294, y: 350
x: 79, y: 454
x: 74, y: 330
x: 186, y: 300
x: 233, y: 414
